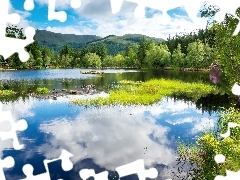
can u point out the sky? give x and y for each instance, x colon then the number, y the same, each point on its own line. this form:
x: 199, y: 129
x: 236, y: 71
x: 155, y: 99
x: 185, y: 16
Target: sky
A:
x: 95, y: 17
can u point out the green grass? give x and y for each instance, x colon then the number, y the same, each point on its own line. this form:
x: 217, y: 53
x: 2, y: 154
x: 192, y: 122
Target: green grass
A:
x: 146, y: 93
x: 42, y: 91
x: 6, y: 93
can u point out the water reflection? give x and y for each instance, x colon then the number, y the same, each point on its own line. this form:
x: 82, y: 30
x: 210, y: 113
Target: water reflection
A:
x: 103, y: 138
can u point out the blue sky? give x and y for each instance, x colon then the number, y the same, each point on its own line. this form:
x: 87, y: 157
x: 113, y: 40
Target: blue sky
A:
x: 96, y: 17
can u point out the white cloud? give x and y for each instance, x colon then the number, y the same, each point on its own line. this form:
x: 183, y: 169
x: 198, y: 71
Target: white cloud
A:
x: 158, y: 26
x: 199, y: 124
x: 20, y: 108
x: 202, y: 124
x: 181, y: 120
x: 109, y: 134
x: 99, y: 13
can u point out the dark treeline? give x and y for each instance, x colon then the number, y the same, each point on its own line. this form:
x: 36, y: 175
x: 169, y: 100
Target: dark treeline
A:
x: 194, y: 50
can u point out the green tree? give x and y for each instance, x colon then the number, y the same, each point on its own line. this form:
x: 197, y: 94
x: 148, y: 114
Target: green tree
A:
x: 108, y: 61
x: 226, y: 46
x: 158, y: 56
x: 178, y: 57
x: 195, y: 54
x: 141, y: 54
x: 119, y: 60
x: 92, y: 60
x: 103, y: 52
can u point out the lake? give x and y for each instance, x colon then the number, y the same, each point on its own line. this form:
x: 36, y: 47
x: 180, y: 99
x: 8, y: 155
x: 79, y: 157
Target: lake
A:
x: 101, y: 138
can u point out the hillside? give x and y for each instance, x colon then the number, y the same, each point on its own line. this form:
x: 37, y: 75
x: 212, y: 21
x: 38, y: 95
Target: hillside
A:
x: 114, y: 43
x: 56, y: 41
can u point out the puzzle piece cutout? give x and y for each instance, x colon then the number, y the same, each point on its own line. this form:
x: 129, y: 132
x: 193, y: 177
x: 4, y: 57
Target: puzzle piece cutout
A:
x: 7, y: 162
x: 219, y: 158
x: 136, y: 167
x: 52, y: 14
x: 60, y: 15
x: 230, y: 175
x: 236, y: 89
x: 230, y: 125
x: 13, y: 45
x: 87, y: 173
x: 192, y: 11
x: 21, y: 125
x: 66, y: 164
x: 161, y: 6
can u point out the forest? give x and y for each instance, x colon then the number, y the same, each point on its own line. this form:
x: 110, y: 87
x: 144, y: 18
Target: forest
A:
x: 194, y: 50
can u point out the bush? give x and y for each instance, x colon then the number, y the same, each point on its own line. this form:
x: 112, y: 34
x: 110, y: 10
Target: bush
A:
x: 201, y: 155
x: 42, y: 90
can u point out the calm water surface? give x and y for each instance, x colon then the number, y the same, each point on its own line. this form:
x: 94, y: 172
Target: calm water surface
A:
x: 99, y: 138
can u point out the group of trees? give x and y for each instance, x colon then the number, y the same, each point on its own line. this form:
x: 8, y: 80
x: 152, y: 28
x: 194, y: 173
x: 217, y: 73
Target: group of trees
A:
x: 194, y: 50
x: 145, y: 54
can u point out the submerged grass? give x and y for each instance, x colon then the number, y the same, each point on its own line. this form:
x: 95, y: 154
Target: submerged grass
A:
x: 146, y: 93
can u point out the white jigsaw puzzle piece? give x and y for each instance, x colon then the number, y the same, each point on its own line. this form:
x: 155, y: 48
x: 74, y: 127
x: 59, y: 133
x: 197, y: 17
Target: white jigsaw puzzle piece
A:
x: 7, y: 162
x: 236, y: 89
x: 137, y: 167
x: 20, y: 125
x: 87, y: 173
x: 230, y: 125
x: 230, y: 175
x: 162, y: 6
x: 29, y: 5
x: 13, y: 45
x: 60, y: 15
x: 67, y: 165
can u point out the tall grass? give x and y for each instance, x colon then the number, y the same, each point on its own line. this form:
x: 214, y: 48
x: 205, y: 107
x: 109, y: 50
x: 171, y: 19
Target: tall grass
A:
x: 146, y: 93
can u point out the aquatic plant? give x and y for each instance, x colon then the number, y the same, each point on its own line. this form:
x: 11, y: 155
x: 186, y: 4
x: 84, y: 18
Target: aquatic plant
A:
x: 145, y: 93
x: 42, y: 90
x: 6, y: 93
x: 201, y: 155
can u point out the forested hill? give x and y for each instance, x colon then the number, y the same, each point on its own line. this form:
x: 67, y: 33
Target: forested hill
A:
x: 56, y: 41
x: 114, y: 44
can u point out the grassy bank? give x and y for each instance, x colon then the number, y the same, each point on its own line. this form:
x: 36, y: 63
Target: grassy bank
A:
x: 146, y: 93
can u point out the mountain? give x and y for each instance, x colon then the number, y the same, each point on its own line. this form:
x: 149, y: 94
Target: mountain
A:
x: 114, y: 43
x: 117, y: 44
x: 56, y: 41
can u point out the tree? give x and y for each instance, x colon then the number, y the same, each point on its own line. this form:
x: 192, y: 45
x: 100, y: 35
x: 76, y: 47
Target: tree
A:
x: 195, y: 54
x: 92, y: 60
x: 103, y: 51
x: 226, y: 46
x: 141, y: 54
x: 131, y: 59
x: 178, y: 57
x: 47, y: 56
x: 158, y: 56
x: 119, y: 60
x: 108, y: 61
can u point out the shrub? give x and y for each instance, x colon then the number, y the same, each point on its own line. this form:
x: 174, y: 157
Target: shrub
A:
x: 42, y: 90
